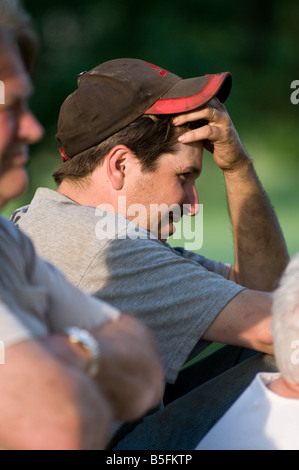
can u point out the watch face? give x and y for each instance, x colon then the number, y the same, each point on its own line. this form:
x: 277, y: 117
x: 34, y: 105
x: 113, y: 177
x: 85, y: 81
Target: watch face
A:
x: 89, y: 343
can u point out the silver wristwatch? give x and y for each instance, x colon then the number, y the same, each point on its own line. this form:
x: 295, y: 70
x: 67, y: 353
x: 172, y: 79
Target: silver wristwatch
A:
x: 89, y: 343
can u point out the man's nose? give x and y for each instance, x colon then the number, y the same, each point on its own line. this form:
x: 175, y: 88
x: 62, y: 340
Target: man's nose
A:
x: 191, y: 203
x: 30, y: 129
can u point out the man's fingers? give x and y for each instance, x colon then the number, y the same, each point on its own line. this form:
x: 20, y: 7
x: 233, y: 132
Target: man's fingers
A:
x: 211, y: 112
x: 200, y: 114
x: 208, y: 132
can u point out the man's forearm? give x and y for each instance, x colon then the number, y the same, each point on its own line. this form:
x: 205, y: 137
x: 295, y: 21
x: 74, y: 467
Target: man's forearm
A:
x: 54, y: 405
x: 260, y: 248
x: 245, y: 321
x: 130, y: 374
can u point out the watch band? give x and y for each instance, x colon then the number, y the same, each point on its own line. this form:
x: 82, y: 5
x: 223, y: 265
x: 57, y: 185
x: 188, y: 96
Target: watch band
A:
x: 89, y: 343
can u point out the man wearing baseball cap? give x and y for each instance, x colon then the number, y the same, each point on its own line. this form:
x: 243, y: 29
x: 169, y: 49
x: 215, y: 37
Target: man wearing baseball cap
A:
x: 131, y: 139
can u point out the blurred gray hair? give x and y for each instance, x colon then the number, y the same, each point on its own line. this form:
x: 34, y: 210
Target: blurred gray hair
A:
x: 16, y: 26
x: 285, y: 323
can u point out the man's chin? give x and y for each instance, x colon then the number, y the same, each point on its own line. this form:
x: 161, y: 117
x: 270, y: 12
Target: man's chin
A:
x: 13, y: 184
x: 172, y: 229
x: 166, y: 232
x: 16, y: 158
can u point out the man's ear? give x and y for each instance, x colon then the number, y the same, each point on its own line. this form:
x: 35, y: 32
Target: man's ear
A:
x: 116, y: 165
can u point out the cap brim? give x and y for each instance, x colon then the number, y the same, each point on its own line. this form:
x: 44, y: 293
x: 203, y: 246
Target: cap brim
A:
x: 193, y: 93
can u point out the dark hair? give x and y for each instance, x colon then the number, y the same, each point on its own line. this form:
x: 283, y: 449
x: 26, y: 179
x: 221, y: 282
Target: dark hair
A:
x: 148, y: 138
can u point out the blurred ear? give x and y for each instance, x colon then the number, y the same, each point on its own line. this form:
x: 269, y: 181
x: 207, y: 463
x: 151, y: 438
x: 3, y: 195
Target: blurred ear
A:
x: 117, y: 159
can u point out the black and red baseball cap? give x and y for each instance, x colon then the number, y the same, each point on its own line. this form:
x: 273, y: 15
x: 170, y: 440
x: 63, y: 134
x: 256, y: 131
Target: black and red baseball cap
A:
x: 116, y: 93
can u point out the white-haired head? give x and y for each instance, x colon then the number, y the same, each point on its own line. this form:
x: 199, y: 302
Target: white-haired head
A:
x: 285, y: 323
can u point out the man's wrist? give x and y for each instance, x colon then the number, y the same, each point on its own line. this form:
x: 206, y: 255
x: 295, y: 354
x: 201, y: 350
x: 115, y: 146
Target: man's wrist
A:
x: 242, y: 166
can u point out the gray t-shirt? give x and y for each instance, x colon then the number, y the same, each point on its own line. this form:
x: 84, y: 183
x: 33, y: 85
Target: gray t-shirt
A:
x: 35, y: 298
x: 176, y: 293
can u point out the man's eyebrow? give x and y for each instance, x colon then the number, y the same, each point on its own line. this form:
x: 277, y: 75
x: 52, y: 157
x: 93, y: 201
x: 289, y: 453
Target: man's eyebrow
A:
x: 17, y: 95
x: 22, y: 93
x: 190, y: 169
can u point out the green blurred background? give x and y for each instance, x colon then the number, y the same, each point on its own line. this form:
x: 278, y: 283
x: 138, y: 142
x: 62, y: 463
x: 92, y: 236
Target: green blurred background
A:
x: 256, y: 41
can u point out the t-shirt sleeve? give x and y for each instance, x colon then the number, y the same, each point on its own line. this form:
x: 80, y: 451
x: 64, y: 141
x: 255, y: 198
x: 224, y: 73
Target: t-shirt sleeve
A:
x: 22, y: 302
x: 68, y: 305
x: 38, y: 296
x: 177, y: 297
x: 217, y: 267
x: 12, y: 329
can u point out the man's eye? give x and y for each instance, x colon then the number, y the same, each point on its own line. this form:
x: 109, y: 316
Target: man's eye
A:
x: 184, y: 177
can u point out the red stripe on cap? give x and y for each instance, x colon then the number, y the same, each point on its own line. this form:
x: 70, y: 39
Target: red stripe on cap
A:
x: 63, y: 155
x: 183, y: 104
x: 161, y: 72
